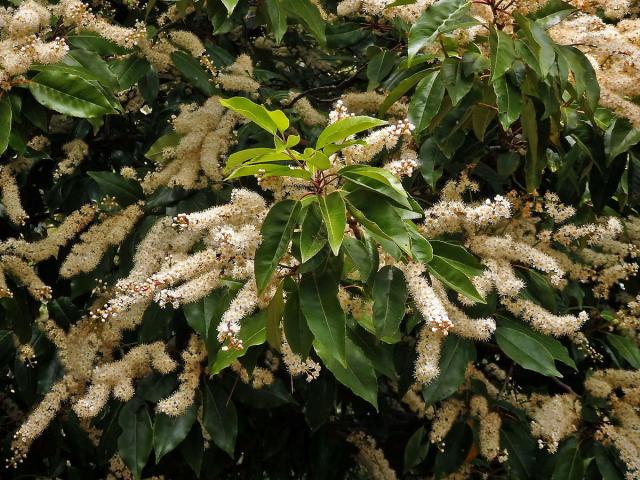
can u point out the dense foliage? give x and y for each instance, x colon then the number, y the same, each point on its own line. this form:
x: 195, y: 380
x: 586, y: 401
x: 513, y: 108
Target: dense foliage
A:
x: 320, y: 239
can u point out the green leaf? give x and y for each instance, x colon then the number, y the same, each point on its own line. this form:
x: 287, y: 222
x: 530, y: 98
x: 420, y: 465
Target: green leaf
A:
x: 416, y: 449
x: 626, y: 348
x: 275, y: 309
x: 357, y: 252
x: 421, y: 248
x: 308, y: 15
x: 269, y: 121
x: 400, y: 89
x: 295, y: 325
x: 389, y: 298
x: 379, y: 67
x: 219, y: 417
x: 136, y: 439
x: 540, y: 43
x: 425, y: 102
x: 190, y: 67
x: 95, y: 43
x: 379, y: 217
x: 270, y: 170
x: 155, y: 152
x: 252, y: 332
x: 536, y: 160
x: 557, y: 350
x: 91, y: 62
x: 276, y: 234
x: 526, y: 351
x: 129, y: 71
x: 125, y: 191
x: 453, y: 278
x: 230, y: 4
x: 503, y: 53
x: 346, y: 127
x: 376, y: 180
x: 242, y: 156
x: 456, y: 354
x: 356, y: 373
x: 552, y: 13
x: 516, y: 439
x: 313, y: 235
x: 169, y: 432
x: 458, y: 256
x: 619, y: 138
x: 277, y: 18
x: 5, y: 122
x: 570, y: 464
x: 441, y: 17
x: 584, y: 75
x: 320, y: 306
x: 334, y: 214
x: 509, y: 101
x: 69, y: 94
x: 454, y: 80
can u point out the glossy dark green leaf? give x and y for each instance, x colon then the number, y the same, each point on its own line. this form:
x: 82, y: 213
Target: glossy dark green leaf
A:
x: 357, y: 373
x: 441, y: 17
x: 400, y: 89
x: 5, y: 122
x: 276, y: 234
x: 313, y: 235
x: 619, y: 138
x: 454, y: 80
x: 334, y: 215
x: 125, y: 191
x: 456, y: 353
x: 192, y: 70
x: 357, y: 252
x: 449, y: 274
x: 526, y: 351
x: 379, y: 67
x: 569, y: 464
x: 136, y: 439
x: 426, y: 100
x: 253, y: 331
x: 457, y: 256
x: 219, y: 417
x: 129, y: 71
x: 69, y: 94
x: 95, y: 43
x: 308, y: 15
x: 169, y: 432
x: 275, y: 310
x: 377, y: 180
x: 295, y: 325
x: 320, y: 306
x: 509, y: 101
x: 277, y: 18
x: 536, y: 159
x: 626, y: 348
x: 502, y: 51
x: 389, y: 298
x: 552, y: 13
x: 416, y: 449
x: 521, y: 447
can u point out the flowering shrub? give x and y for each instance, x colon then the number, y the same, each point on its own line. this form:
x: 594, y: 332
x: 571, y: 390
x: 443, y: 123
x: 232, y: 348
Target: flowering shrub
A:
x: 320, y: 239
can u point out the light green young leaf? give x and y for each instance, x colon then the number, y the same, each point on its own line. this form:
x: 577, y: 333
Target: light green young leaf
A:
x: 338, y: 131
x: 230, y: 5
x: 254, y: 112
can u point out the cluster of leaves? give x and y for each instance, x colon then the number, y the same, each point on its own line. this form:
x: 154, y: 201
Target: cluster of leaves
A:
x: 524, y: 117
